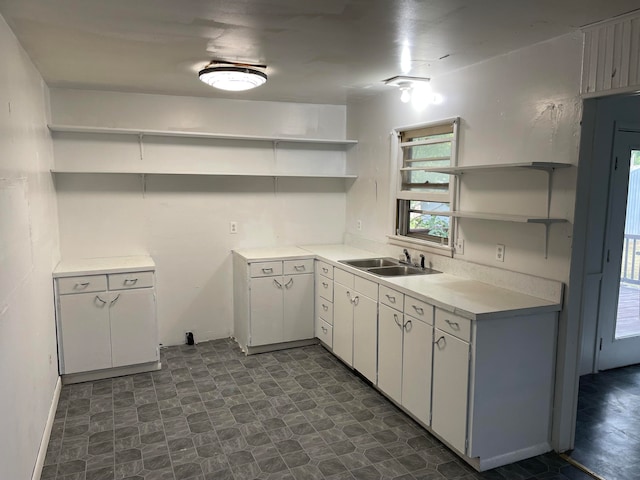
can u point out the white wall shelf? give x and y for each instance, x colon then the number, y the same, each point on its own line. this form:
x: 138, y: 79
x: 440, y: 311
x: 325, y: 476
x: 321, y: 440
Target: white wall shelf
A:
x: 180, y: 133
x: 459, y: 170
x: 212, y: 174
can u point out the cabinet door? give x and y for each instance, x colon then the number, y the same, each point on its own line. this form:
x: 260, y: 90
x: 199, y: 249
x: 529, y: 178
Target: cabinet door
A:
x: 390, y: 327
x: 343, y: 323
x: 450, y: 389
x: 298, y: 307
x: 134, y: 335
x: 365, y: 336
x: 266, y: 311
x: 86, y: 337
x: 416, y: 368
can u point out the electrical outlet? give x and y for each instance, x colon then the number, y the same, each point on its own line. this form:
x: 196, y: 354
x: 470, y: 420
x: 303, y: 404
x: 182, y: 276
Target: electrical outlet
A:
x: 500, y: 253
x: 359, y: 225
x: 233, y: 227
x: 459, y: 246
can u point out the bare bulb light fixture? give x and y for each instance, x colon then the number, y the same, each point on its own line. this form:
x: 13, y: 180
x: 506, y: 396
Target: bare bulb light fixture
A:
x: 416, y: 90
x: 234, y: 77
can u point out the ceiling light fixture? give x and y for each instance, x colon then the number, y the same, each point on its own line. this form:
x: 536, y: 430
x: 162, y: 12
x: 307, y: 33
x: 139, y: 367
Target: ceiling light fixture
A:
x: 416, y: 90
x: 234, y: 77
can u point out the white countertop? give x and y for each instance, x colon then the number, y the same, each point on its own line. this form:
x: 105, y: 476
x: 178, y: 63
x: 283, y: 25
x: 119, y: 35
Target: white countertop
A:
x: 468, y: 298
x: 97, y: 266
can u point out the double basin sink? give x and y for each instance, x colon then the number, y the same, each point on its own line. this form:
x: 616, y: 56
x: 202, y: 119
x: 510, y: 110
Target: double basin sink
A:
x: 387, y: 267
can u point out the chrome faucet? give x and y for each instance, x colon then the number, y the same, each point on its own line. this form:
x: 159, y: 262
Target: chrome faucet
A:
x: 407, y: 256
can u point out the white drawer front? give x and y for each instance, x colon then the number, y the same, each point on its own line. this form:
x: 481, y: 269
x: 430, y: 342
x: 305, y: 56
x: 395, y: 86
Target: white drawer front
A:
x: 324, y: 309
x: 325, y: 269
x: 265, y: 269
x: 324, y: 287
x: 391, y: 298
x: 293, y: 267
x: 454, y: 324
x: 366, y: 287
x: 324, y: 332
x: 418, y: 309
x: 88, y: 283
x: 343, y: 278
x: 122, y: 281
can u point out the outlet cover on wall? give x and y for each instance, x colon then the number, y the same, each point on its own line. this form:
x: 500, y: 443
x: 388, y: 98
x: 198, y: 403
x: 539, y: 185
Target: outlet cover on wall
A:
x: 500, y: 252
x: 359, y: 225
x: 233, y: 227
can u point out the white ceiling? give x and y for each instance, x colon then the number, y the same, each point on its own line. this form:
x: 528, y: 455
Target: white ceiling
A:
x: 321, y: 51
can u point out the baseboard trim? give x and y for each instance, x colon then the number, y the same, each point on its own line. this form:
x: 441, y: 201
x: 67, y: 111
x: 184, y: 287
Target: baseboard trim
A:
x: 110, y: 372
x: 44, y: 443
x: 515, y: 456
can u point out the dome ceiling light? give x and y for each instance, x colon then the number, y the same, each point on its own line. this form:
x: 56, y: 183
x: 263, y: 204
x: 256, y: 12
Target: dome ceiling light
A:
x: 234, y: 77
x: 415, y: 89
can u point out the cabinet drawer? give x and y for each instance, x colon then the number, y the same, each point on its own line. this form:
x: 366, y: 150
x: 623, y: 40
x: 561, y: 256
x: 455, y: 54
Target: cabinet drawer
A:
x: 366, y: 287
x: 88, y: 283
x: 454, y: 324
x: 324, y: 287
x: 418, y: 309
x: 265, y: 269
x: 343, y: 278
x: 293, y: 267
x: 121, y: 281
x: 325, y: 269
x: 324, y: 332
x: 391, y: 297
x: 324, y: 309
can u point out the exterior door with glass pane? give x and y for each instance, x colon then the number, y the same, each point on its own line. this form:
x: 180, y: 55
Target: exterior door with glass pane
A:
x: 619, y: 316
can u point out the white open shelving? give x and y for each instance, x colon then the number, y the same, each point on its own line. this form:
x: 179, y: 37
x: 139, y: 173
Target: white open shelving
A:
x: 458, y: 171
x: 274, y: 141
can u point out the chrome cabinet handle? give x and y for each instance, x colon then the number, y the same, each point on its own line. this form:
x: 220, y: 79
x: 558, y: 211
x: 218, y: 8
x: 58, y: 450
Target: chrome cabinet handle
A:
x: 419, y: 310
x: 391, y: 298
x: 298, y: 268
x: 289, y: 283
x: 325, y: 307
x: 325, y: 284
x: 267, y: 270
x: 325, y: 270
x: 100, y: 300
x: 437, y: 342
x: 324, y: 329
x: 81, y: 285
x: 407, y: 325
x: 278, y: 284
x: 395, y: 317
x: 130, y: 281
x: 355, y: 300
x: 453, y: 325
x: 114, y: 301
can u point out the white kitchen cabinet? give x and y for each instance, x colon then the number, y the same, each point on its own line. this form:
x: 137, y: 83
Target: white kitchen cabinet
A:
x: 324, y: 303
x: 390, y: 326
x: 405, y: 352
x: 273, y: 302
x: 355, y: 320
x: 416, y: 367
x: 450, y: 389
x: 106, y: 317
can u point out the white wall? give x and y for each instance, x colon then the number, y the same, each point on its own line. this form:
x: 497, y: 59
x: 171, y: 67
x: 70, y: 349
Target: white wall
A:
x: 523, y: 106
x: 28, y: 253
x: 182, y: 221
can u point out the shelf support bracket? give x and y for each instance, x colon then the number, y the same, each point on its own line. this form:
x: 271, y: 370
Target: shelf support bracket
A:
x: 140, y: 135
x: 546, y: 239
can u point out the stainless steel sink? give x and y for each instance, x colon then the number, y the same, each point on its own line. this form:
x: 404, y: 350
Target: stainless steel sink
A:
x: 387, y: 267
x: 367, y: 263
x: 400, y: 271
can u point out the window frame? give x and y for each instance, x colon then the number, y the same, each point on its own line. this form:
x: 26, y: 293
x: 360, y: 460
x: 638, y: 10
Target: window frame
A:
x: 406, y: 196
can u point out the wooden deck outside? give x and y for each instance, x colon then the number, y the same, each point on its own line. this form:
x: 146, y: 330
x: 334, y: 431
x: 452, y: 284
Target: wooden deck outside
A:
x: 628, y: 322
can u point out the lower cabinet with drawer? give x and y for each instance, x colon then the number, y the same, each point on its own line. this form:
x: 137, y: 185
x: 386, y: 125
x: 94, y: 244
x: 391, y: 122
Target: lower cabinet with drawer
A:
x: 273, y: 303
x: 106, y: 318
